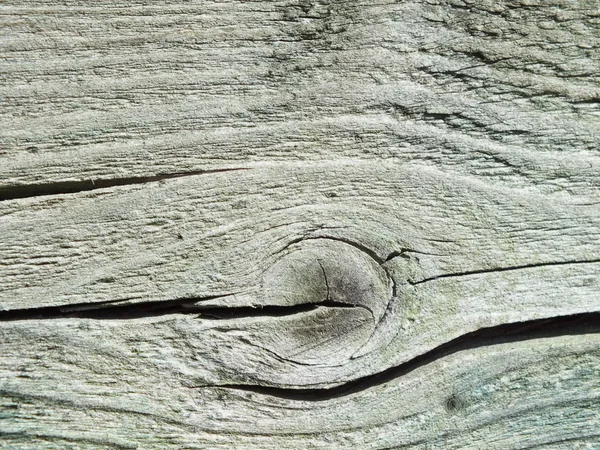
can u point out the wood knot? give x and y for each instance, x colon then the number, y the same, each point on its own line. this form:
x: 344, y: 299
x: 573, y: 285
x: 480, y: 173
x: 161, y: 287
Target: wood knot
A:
x: 348, y: 288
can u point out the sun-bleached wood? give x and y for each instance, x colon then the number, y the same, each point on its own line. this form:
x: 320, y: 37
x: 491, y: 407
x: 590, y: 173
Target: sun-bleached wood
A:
x: 299, y: 224
x: 487, y: 256
x: 515, y: 395
x: 216, y: 234
x: 502, y: 90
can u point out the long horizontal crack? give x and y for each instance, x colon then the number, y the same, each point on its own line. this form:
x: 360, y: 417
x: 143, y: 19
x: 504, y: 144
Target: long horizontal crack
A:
x: 70, y: 187
x: 504, y: 269
x: 575, y: 324
x: 118, y: 309
x: 112, y: 311
x: 242, y: 312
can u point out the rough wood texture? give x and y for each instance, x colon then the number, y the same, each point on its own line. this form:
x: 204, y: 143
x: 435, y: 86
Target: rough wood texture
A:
x: 514, y: 395
x: 258, y: 238
x: 502, y: 90
x: 300, y: 224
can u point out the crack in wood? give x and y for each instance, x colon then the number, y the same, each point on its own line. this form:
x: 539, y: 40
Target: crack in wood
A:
x: 325, y: 278
x: 109, y: 311
x: 120, y: 309
x: 242, y: 312
x: 576, y: 324
x: 371, y: 253
x: 336, y: 303
x: 504, y: 269
x: 404, y: 253
x: 73, y: 187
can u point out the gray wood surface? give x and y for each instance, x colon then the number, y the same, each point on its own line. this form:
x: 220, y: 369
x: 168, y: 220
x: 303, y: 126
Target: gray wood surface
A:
x: 540, y: 393
x: 506, y: 91
x: 300, y: 224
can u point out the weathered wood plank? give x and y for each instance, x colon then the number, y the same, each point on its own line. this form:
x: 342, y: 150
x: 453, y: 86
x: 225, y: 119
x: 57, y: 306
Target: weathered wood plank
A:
x: 214, y: 235
x: 353, y: 243
x: 505, y: 91
x: 330, y: 224
x: 512, y: 395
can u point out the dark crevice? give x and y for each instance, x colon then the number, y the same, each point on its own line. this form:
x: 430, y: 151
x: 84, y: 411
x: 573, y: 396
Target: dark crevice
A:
x: 325, y: 278
x: 70, y: 187
x: 395, y: 254
x: 242, y: 312
x: 404, y: 253
x: 504, y: 269
x: 110, y: 311
x: 576, y: 324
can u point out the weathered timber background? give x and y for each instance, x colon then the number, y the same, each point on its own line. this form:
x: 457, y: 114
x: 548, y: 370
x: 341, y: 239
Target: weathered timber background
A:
x: 300, y: 224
